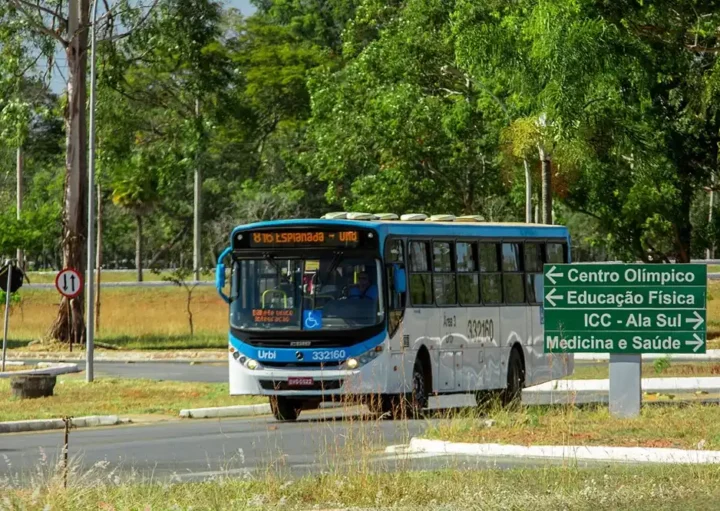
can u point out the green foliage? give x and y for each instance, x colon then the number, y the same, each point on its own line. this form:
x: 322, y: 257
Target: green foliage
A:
x: 661, y: 364
x: 15, y: 299
x: 424, y: 105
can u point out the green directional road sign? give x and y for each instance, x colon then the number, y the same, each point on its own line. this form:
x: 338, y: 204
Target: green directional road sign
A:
x: 625, y: 308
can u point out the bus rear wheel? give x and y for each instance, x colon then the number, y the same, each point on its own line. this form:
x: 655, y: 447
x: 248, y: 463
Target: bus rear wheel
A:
x: 285, y: 408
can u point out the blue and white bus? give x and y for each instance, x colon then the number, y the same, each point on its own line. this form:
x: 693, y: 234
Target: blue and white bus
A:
x: 389, y: 310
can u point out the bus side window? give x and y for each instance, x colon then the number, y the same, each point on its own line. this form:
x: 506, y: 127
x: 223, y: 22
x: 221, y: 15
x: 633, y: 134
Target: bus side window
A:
x: 444, y: 277
x: 468, y: 282
x: 490, y: 276
x: 420, y: 276
x: 513, y: 285
x: 556, y: 253
x: 533, y: 275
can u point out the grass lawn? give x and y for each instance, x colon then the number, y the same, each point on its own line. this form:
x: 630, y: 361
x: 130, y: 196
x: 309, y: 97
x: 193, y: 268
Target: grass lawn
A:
x: 643, y: 488
x: 132, y: 318
x: 123, y: 397
x: 676, y: 369
x: 659, y: 425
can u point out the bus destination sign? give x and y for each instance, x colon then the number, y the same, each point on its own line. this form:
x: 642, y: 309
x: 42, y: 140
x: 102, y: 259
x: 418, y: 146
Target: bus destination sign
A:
x: 280, y: 239
x: 625, y: 308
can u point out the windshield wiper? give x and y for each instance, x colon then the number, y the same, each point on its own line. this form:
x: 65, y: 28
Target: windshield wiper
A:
x: 333, y: 265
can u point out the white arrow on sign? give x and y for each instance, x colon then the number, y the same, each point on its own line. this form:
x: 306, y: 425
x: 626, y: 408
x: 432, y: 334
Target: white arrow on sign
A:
x: 551, y: 297
x: 551, y: 276
x: 698, y: 320
x: 698, y: 342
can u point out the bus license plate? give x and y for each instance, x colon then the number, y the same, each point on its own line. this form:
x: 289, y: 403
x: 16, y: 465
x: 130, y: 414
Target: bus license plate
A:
x: 302, y: 381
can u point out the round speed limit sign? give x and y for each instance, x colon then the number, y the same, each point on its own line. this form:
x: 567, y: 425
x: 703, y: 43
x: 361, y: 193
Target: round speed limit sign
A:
x: 69, y: 283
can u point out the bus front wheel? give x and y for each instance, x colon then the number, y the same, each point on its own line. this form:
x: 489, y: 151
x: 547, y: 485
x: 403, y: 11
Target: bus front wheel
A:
x: 404, y: 406
x: 284, y: 408
x: 515, y: 379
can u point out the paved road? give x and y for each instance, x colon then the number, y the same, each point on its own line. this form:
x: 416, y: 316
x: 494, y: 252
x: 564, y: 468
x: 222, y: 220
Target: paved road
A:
x: 173, y: 371
x: 199, y: 449
x: 177, y: 371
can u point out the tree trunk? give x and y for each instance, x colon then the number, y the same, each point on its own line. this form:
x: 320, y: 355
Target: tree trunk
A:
x: 98, y: 257
x: 528, y: 193
x: 189, y: 313
x: 546, y: 187
x: 72, y: 326
x: 683, y: 226
x: 139, y: 248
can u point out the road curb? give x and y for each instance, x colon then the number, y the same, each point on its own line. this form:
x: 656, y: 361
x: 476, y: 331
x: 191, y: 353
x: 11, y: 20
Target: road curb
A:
x: 240, y: 411
x: 48, y: 424
x: 569, y: 452
x: 121, y: 359
x: 710, y: 356
x: 226, y: 411
x: 45, y: 368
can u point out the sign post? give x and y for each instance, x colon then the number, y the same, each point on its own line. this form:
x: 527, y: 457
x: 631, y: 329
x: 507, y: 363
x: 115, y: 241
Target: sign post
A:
x: 10, y: 284
x: 625, y: 310
x: 69, y: 283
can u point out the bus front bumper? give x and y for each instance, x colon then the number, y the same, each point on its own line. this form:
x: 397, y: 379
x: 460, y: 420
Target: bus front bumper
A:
x: 371, y: 378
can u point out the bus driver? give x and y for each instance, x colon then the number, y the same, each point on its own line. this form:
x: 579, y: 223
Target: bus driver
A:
x: 364, y: 288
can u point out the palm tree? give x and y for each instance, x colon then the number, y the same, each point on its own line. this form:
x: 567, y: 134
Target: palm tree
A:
x: 135, y: 189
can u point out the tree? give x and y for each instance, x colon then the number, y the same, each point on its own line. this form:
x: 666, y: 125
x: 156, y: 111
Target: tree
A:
x: 135, y: 189
x: 66, y: 22
x: 399, y: 127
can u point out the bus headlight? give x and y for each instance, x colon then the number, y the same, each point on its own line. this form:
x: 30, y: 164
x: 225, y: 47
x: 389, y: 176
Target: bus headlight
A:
x: 252, y: 364
x: 368, y: 356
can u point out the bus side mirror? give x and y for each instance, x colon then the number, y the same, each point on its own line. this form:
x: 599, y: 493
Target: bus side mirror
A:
x: 399, y: 280
x: 220, y: 276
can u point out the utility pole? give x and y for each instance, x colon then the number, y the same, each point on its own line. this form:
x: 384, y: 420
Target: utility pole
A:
x: 528, y: 193
x: 19, y: 195
x: 197, y: 208
x: 90, y: 302
x: 98, y: 253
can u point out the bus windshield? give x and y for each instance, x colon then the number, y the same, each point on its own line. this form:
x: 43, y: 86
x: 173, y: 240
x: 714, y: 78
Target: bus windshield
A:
x: 335, y: 292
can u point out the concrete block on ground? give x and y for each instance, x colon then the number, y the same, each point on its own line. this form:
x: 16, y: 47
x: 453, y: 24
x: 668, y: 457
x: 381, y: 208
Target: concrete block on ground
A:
x: 226, y: 411
x: 48, y: 424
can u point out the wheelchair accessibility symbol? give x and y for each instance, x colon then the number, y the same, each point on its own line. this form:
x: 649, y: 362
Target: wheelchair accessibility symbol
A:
x: 312, y: 320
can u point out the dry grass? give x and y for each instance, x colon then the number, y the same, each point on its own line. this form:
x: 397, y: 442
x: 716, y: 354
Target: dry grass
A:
x: 123, y: 397
x: 695, y: 369
x: 133, y: 318
x: 641, y: 488
x: 111, y: 276
x: 659, y: 425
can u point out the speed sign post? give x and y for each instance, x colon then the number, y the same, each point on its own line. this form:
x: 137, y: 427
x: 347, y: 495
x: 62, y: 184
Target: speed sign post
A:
x: 69, y: 283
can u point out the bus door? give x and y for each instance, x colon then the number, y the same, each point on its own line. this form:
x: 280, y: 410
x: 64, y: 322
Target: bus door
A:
x: 422, y: 318
x: 449, y: 316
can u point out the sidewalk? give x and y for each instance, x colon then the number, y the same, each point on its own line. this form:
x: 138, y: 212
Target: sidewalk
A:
x: 420, y: 446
